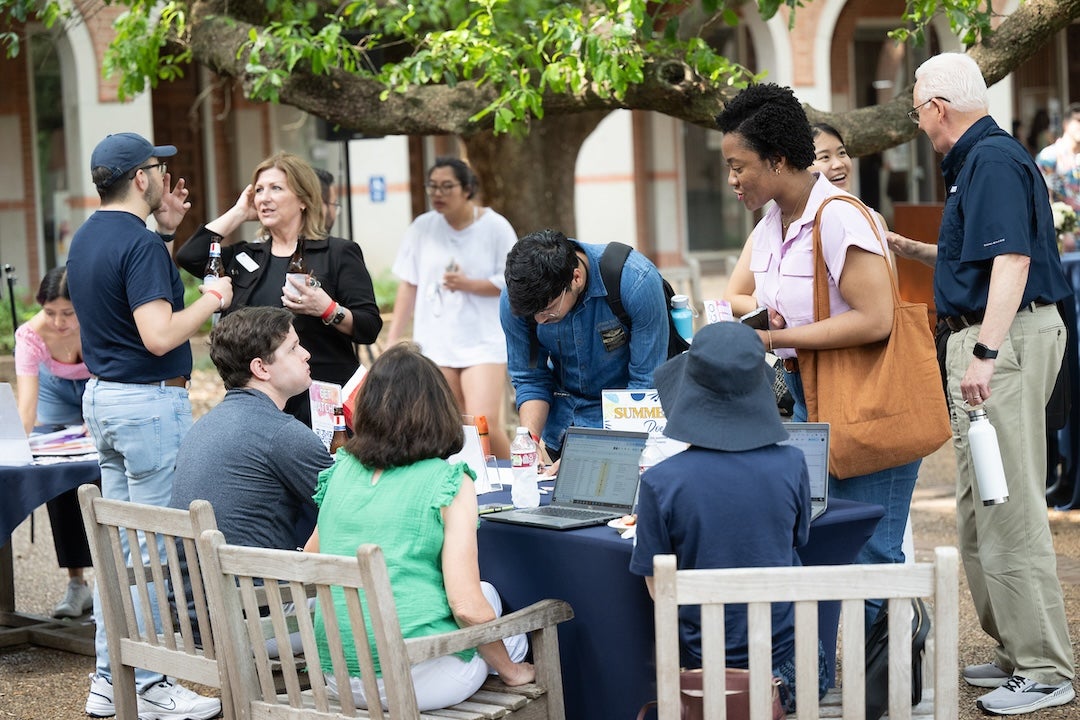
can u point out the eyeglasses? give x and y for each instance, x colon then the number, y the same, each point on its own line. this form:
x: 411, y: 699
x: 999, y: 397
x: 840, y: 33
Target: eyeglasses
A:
x: 913, y: 113
x: 553, y: 314
x: 441, y: 188
x: 144, y: 168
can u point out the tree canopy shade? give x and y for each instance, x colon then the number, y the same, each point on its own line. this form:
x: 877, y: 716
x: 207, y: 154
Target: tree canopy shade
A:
x: 497, y: 72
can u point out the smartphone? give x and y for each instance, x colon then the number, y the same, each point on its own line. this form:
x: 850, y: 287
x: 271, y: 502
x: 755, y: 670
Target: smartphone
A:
x: 758, y: 319
x: 493, y: 507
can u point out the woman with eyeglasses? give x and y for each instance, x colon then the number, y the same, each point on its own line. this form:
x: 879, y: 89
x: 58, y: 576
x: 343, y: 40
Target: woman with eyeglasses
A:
x: 334, y: 309
x: 451, y: 266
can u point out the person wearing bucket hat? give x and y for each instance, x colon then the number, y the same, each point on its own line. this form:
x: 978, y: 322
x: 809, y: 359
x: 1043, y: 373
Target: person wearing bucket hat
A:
x: 135, y: 329
x: 735, y: 497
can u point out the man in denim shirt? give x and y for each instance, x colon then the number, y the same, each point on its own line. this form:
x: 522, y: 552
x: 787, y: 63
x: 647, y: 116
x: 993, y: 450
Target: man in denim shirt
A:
x: 564, y: 344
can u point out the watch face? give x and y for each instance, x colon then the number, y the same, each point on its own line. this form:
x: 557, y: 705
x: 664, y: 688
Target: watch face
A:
x: 338, y: 316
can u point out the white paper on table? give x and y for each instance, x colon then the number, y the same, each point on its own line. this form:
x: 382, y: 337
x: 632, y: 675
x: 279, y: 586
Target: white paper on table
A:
x: 472, y: 454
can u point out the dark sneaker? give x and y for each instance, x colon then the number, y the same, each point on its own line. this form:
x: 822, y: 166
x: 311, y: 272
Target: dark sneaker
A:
x: 985, y: 675
x: 1019, y: 695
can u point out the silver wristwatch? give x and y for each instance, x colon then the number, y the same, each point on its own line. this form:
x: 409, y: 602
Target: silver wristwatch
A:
x: 337, y: 317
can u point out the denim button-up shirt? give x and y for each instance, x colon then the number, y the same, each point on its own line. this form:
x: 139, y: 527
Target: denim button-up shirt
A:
x: 574, y: 366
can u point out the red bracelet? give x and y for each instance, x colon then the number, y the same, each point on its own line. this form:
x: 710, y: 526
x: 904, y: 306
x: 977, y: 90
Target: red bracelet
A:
x: 535, y: 438
x: 328, y: 311
x: 215, y: 293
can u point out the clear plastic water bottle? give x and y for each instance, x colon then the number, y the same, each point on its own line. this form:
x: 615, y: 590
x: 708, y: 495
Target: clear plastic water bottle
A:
x: 986, y: 457
x: 524, y: 461
x: 682, y: 315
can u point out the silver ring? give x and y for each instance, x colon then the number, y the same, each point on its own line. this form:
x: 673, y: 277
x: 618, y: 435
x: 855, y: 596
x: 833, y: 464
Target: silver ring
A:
x: 312, y: 281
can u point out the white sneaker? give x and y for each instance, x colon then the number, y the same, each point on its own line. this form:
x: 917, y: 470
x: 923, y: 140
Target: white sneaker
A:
x: 166, y: 700
x: 99, y: 703
x: 78, y: 600
x: 986, y: 675
x: 1020, y: 695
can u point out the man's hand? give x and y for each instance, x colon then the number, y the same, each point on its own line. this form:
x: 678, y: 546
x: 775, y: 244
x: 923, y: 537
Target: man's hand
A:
x: 975, y: 385
x: 174, y: 206
x: 912, y: 249
x: 223, y: 286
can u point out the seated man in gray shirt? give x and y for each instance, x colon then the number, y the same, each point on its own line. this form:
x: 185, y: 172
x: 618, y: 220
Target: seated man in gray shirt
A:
x: 255, y: 464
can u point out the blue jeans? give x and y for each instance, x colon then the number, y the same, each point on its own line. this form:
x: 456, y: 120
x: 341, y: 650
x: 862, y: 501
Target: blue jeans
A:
x: 890, y: 488
x: 137, y: 430
x: 59, y: 400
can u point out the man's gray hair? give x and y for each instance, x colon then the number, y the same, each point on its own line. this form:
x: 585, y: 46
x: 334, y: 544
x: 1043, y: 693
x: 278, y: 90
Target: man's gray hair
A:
x: 954, y: 76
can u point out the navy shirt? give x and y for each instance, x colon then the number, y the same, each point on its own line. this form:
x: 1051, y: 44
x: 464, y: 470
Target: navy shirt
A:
x: 715, y: 509
x: 996, y: 203
x: 116, y: 265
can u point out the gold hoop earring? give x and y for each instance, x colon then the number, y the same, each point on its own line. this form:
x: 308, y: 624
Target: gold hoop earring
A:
x: 776, y: 170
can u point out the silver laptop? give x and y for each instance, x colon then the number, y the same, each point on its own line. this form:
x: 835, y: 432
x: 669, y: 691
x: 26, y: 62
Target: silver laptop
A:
x: 813, y: 440
x: 14, y: 446
x: 597, y: 481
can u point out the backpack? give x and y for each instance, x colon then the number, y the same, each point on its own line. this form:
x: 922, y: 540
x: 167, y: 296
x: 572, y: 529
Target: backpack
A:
x: 611, y: 264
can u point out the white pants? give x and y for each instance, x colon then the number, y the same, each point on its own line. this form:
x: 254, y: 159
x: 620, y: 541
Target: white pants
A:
x: 448, y: 680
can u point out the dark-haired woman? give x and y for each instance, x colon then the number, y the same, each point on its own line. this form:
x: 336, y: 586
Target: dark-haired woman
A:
x: 51, y: 377
x: 769, y: 151
x: 390, y: 486
x: 451, y: 266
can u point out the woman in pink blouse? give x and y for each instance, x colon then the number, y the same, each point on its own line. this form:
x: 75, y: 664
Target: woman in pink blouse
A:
x: 51, y: 377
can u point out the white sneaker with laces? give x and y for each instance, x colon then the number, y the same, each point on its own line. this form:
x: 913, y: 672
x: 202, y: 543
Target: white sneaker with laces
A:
x: 987, y: 675
x: 167, y: 700
x: 1020, y: 695
x: 164, y: 700
x: 78, y: 600
x: 99, y: 703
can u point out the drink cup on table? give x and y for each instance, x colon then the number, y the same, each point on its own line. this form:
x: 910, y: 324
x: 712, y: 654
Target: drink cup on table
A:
x: 524, y: 460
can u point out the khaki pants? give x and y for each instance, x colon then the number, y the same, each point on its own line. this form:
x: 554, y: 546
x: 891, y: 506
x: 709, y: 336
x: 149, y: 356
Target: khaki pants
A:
x: 1007, y: 549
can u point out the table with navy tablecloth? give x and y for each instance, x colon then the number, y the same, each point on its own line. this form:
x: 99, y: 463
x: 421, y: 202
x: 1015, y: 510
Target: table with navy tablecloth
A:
x: 608, y: 663
x: 1068, y: 495
x: 22, y: 490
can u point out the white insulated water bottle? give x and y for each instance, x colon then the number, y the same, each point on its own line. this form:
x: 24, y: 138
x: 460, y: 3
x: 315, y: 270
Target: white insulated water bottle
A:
x: 986, y: 457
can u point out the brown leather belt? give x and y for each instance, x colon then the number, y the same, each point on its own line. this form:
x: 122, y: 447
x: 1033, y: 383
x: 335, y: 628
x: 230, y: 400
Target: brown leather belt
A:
x: 791, y: 365
x: 179, y: 381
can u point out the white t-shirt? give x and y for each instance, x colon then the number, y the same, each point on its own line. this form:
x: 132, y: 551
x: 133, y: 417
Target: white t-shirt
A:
x: 453, y: 328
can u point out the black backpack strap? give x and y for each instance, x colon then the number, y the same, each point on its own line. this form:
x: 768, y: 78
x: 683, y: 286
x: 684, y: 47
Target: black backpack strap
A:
x: 534, y: 344
x: 611, y: 264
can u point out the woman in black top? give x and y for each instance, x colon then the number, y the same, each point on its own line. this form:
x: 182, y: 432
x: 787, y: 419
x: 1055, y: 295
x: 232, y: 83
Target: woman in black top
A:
x: 334, y: 309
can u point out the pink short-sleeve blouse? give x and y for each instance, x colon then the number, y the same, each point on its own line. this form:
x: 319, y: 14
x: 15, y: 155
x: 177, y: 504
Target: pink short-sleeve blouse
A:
x: 31, y: 351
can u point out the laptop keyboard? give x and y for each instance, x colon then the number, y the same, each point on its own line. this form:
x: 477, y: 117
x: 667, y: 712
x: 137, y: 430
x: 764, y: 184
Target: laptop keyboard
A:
x: 568, y: 512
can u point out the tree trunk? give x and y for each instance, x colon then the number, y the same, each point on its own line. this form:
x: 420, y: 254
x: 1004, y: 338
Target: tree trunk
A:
x: 530, y: 179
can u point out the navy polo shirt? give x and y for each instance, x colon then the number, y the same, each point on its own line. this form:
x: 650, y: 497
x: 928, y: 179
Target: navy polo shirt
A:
x: 996, y: 203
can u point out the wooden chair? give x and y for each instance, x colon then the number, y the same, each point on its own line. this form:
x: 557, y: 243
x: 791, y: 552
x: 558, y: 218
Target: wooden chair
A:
x: 806, y: 586
x: 232, y: 576
x: 133, y: 593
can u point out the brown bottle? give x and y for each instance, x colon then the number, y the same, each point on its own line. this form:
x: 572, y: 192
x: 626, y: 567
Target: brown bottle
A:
x: 214, y: 267
x: 340, y: 434
x: 296, y: 262
x: 485, y: 438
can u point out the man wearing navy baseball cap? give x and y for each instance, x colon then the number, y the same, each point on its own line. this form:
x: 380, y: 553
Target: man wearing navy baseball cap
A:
x: 135, y: 330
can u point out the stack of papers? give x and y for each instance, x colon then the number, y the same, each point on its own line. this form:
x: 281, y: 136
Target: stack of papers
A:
x: 67, y: 442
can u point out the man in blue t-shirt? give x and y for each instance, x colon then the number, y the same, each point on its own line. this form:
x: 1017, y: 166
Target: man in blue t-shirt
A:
x: 997, y: 280
x: 130, y: 302
x: 734, y: 498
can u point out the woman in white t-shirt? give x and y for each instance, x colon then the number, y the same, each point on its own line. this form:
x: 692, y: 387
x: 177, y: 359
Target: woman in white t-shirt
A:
x: 451, y: 265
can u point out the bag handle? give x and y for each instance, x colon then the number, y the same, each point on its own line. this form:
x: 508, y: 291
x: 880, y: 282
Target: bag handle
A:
x: 821, y: 286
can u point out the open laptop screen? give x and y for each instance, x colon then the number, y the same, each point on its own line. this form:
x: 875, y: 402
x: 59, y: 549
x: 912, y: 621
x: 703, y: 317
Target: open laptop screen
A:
x: 813, y: 440
x: 599, y: 467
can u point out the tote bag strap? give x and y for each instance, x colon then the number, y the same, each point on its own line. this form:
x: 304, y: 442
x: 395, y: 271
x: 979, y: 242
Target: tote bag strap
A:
x: 821, y: 285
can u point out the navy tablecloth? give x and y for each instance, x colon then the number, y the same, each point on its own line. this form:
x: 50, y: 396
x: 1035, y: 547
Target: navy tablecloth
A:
x: 22, y: 489
x: 608, y: 664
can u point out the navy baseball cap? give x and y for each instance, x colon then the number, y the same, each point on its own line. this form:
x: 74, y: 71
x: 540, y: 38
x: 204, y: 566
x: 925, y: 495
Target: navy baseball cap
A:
x: 123, y: 152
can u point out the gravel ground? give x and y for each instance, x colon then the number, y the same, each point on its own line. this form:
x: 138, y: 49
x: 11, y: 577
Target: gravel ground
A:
x: 42, y: 684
